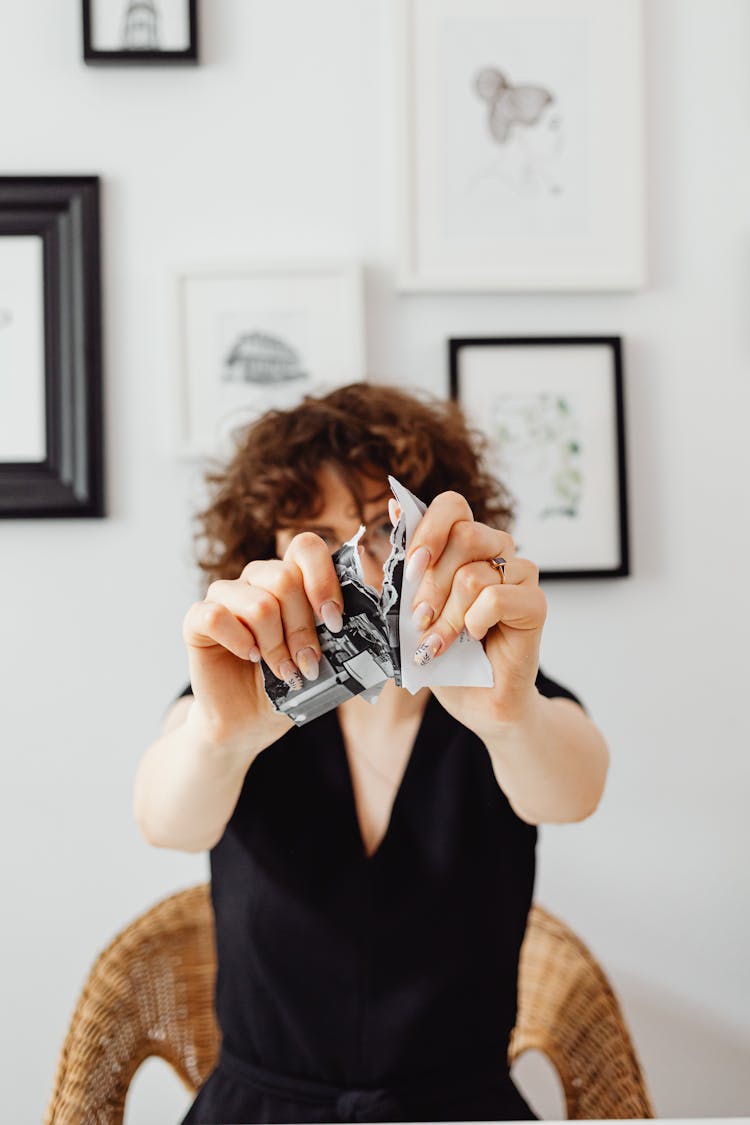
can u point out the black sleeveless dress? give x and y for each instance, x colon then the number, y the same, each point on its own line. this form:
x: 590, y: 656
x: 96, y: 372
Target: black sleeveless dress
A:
x: 380, y: 988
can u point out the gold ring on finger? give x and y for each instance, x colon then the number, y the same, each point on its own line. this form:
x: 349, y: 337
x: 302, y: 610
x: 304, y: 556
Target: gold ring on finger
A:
x: 498, y: 564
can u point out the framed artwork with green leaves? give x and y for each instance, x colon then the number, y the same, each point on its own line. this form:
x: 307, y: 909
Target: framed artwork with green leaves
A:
x: 551, y: 408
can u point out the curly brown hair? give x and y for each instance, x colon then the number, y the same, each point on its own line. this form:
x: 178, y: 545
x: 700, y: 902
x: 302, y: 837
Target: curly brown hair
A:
x: 362, y: 428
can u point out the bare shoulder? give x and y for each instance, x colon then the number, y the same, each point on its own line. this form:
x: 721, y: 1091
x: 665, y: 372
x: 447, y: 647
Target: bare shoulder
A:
x: 177, y: 713
x: 564, y: 702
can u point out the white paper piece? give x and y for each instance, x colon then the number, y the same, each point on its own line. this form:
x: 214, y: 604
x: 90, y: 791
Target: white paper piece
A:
x: 465, y: 663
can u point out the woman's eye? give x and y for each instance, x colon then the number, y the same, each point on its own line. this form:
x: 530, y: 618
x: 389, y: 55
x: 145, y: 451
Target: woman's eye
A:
x: 385, y: 529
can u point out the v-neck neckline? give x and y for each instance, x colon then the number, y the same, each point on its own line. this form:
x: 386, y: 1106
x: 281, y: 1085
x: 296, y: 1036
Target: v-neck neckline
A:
x: 343, y: 761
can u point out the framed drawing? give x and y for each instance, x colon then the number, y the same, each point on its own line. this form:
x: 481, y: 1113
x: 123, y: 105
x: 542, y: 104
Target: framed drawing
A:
x: 50, y: 347
x: 522, y: 148
x: 140, y: 31
x: 262, y: 336
x: 552, y: 408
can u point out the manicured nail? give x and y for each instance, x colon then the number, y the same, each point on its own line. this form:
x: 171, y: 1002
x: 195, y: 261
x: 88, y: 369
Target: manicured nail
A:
x: 394, y: 511
x: 331, y: 615
x: 429, y: 648
x: 254, y: 654
x: 290, y: 675
x: 417, y: 564
x: 422, y: 616
x: 308, y: 663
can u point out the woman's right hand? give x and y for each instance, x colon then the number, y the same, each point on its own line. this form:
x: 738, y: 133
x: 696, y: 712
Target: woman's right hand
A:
x: 268, y: 612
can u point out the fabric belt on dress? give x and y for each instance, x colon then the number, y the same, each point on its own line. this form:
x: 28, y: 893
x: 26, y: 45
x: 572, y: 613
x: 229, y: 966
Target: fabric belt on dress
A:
x: 364, y: 1103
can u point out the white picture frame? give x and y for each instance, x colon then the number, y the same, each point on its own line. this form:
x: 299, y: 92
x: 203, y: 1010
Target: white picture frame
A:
x: 521, y: 141
x: 257, y: 336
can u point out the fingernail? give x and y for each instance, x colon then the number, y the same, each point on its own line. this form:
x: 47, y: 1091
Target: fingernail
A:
x: 417, y: 564
x: 331, y: 615
x: 429, y: 648
x: 394, y: 511
x: 308, y: 663
x: 290, y: 675
x: 422, y: 616
x: 254, y: 654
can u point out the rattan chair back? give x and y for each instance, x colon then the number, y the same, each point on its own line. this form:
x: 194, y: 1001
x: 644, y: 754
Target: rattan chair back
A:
x: 151, y: 992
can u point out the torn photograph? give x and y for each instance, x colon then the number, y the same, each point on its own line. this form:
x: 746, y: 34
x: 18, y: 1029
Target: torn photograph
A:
x: 358, y: 660
x: 377, y: 628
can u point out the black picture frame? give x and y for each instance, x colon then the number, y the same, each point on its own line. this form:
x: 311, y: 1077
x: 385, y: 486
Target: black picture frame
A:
x: 64, y: 212
x: 95, y: 56
x: 613, y: 349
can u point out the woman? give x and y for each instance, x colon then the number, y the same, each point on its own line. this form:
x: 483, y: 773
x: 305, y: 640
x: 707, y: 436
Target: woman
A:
x: 371, y: 870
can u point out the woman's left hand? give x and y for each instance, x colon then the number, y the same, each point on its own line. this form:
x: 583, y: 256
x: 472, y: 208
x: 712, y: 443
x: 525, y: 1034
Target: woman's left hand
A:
x: 459, y: 588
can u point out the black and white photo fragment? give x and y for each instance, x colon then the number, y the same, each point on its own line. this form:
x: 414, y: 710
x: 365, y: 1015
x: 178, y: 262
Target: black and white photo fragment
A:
x: 378, y: 640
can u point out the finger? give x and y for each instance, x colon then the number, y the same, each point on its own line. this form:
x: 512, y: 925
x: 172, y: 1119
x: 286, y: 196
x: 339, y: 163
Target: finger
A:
x: 468, y: 542
x: 309, y: 553
x: 284, y: 581
x: 261, y: 612
x: 477, y: 593
x: 209, y: 623
x: 433, y: 531
x: 394, y: 510
x: 520, y: 607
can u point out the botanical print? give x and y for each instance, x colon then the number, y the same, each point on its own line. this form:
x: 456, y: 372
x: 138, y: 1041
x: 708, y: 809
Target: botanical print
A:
x: 550, y: 414
x: 538, y: 439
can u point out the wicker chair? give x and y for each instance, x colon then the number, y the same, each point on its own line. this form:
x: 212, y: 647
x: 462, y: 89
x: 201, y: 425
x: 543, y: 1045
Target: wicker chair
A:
x: 150, y: 992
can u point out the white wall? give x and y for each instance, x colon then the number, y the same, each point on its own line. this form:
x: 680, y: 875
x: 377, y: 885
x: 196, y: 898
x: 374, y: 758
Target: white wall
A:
x: 281, y: 143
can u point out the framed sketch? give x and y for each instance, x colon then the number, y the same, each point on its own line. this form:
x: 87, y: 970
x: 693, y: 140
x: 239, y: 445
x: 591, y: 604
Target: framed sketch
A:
x: 522, y: 145
x: 50, y: 347
x: 140, y: 31
x: 552, y: 408
x: 262, y: 336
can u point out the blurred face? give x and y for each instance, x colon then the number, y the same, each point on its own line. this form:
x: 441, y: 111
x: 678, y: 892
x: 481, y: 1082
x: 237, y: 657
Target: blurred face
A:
x: 339, y: 519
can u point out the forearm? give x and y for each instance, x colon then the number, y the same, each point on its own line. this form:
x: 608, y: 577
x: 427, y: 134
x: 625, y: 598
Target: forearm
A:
x: 551, y: 763
x: 187, y: 786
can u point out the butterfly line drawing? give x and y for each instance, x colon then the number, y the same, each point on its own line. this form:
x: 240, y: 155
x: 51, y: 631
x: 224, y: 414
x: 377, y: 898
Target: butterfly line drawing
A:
x: 509, y: 106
